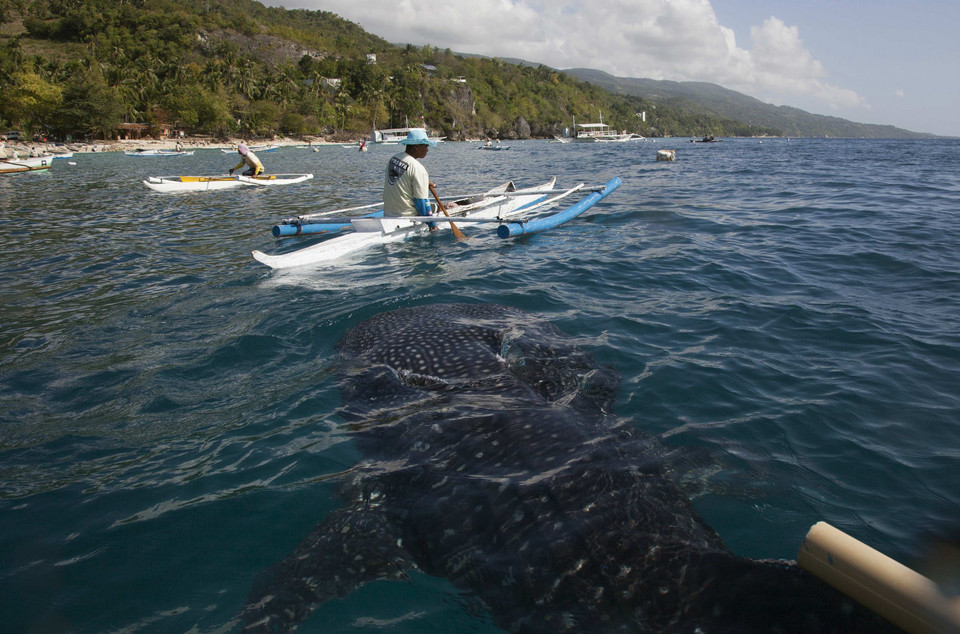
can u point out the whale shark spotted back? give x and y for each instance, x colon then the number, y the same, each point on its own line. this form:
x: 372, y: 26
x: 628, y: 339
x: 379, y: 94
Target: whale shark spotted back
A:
x: 492, y: 458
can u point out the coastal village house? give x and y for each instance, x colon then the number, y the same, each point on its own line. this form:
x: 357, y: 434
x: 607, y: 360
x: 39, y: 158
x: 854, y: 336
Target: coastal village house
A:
x: 131, y: 131
x: 137, y: 131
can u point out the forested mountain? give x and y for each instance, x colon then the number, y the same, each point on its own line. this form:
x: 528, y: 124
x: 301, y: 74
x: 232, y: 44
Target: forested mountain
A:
x: 713, y: 100
x: 80, y: 68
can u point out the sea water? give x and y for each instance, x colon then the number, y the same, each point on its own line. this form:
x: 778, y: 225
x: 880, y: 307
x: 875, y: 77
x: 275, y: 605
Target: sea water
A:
x: 788, y: 309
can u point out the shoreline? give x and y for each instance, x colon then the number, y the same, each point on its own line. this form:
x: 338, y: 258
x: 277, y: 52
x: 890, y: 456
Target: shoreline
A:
x: 188, y: 143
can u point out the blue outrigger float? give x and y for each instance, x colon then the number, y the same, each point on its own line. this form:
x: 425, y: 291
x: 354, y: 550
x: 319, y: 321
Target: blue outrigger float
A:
x: 510, y: 208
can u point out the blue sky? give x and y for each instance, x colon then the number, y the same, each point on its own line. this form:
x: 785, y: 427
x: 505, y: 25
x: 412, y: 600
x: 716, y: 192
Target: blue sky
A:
x: 879, y: 61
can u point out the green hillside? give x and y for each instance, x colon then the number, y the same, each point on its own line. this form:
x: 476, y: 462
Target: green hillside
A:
x: 79, y: 68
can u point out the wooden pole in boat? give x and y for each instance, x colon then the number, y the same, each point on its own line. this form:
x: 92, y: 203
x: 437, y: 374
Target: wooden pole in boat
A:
x: 456, y: 231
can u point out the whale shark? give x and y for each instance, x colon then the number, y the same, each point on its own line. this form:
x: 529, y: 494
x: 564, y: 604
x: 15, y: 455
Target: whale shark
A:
x: 491, y: 456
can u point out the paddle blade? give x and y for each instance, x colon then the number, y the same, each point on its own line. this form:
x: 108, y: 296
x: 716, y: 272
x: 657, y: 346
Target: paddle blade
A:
x: 459, y: 235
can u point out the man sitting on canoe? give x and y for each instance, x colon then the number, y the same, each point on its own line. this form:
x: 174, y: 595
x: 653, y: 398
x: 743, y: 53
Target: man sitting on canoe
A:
x: 248, y: 158
x: 406, y: 185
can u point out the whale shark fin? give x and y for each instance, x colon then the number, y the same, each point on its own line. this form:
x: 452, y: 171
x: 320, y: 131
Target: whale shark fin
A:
x: 349, y: 548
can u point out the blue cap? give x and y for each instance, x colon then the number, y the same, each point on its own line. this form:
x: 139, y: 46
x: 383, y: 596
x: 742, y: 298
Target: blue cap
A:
x: 418, y: 136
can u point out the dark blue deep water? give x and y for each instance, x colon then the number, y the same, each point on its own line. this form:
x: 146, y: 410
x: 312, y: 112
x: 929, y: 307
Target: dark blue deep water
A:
x: 168, y: 426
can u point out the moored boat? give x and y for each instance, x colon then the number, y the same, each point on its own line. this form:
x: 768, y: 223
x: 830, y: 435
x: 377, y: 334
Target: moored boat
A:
x: 253, y: 148
x: 393, y: 136
x: 501, y: 206
x: 30, y: 164
x: 170, y: 184
x: 600, y: 133
x: 142, y: 152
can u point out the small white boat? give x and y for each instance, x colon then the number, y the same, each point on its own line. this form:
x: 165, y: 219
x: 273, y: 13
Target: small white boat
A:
x: 141, y: 152
x: 208, y: 183
x: 62, y: 155
x: 30, y: 164
x: 500, y: 206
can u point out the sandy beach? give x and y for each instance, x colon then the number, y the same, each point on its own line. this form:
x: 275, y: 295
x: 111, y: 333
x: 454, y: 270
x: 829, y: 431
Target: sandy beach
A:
x: 25, y: 149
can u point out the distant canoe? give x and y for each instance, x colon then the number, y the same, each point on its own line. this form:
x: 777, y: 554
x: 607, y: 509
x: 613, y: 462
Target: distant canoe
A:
x: 169, y: 184
x: 158, y: 153
x: 253, y: 148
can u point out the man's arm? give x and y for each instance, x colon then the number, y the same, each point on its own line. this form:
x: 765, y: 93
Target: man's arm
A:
x: 422, y: 205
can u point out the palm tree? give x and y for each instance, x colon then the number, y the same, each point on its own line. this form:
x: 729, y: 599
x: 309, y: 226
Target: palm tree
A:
x: 213, y: 76
x: 246, y: 79
x: 122, y: 78
x: 342, y: 106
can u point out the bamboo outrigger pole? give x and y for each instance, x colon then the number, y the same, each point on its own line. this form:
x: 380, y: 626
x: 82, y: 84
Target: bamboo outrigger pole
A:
x: 895, y: 592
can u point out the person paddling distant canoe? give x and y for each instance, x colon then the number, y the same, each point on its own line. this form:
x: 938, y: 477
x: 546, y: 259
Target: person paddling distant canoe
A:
x: 248, y: 158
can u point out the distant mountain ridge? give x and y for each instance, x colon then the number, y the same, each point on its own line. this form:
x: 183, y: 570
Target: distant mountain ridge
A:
x: 711, y: 99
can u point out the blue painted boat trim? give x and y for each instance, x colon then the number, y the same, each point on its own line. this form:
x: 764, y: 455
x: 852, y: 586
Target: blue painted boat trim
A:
x: 513, y: 229
x: 293, y: 229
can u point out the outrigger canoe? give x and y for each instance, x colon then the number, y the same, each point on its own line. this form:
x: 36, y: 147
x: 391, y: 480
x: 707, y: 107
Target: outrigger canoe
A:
x: 207, y: 183
x: 514, y: 211
x: 159, y: 153
x: 253, y: 148
x: 30, y: 164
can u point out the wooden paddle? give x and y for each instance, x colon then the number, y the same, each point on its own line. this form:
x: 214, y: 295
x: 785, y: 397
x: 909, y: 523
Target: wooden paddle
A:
x: 456, y: 231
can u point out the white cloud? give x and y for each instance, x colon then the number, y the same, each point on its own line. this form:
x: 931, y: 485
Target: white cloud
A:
x: 899, y: 93
x: 658, y: 39
x: 784, y: 66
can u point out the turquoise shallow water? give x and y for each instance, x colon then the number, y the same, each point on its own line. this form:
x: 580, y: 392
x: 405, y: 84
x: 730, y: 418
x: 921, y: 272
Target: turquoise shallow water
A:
x: 168, y: 429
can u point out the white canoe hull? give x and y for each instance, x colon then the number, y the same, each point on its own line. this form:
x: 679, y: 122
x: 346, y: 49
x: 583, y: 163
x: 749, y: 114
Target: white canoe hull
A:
x: 169, y: 184
x: 31, y: 164
x: 159, y: 153
x: 252, y: 148
x: 370, y: 232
